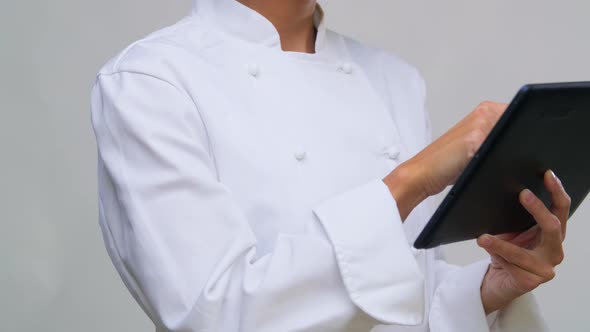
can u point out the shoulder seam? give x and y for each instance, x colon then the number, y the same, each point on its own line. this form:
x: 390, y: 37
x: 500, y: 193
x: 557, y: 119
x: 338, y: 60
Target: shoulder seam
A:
x: 117, y: 72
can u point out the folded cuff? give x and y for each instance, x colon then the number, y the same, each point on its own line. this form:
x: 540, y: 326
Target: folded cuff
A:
x: 457, y: 305
x: 377, y: 265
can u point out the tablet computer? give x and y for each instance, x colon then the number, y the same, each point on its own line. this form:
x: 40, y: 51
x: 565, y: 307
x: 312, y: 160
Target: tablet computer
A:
x: 546, y: 126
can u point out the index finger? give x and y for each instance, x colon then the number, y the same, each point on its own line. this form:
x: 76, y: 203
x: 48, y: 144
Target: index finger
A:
x: 547, y: 221
x: 560, y: 200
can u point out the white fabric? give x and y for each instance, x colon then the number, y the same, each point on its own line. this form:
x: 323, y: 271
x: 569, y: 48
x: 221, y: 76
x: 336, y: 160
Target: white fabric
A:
x: 240, y: 186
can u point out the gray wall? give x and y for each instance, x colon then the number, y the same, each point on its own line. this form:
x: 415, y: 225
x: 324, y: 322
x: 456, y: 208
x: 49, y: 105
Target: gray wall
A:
x: 56, y: 275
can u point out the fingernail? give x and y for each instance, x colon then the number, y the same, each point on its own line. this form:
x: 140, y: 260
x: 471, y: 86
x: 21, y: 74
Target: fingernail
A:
x: 527, y: 195
x: 554, y: 177
x: 486, y: 239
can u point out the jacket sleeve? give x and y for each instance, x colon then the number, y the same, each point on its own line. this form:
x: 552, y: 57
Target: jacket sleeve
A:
x: 186, y: 251
x: 457, y: 305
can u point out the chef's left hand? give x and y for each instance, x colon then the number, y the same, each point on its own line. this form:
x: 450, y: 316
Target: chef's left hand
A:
x: 523, y: 261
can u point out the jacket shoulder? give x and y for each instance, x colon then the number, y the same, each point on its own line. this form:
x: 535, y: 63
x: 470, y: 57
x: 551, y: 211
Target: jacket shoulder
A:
x: 157, y: 52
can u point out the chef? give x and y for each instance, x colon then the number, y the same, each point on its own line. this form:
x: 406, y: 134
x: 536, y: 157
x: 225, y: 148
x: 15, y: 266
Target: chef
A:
x: 259, y: 172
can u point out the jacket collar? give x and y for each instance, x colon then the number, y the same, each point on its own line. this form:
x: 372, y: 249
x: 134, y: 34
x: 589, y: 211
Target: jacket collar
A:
x: 239, y: 20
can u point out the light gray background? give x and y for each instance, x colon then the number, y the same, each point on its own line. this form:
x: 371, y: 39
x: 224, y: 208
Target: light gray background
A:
x: 55, y: 274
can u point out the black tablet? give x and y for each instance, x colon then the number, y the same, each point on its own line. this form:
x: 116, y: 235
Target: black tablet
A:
x: 547, y: 126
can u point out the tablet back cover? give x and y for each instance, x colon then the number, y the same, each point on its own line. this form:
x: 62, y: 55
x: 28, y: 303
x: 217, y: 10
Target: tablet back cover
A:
x: 547, y: 126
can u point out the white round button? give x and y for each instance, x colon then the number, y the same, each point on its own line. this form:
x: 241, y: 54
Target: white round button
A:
x: 253, y: 70
x: 346, y: 67
x: 392, y: 152
x: 299, y: 153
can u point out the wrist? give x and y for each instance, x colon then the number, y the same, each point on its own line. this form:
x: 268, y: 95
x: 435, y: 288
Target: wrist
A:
x: 404, y: 184
x: 493, y: 298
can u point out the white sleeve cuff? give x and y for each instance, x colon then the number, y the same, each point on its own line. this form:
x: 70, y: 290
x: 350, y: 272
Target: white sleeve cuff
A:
x: 521, y: 315
x: 491, y: 318
x: 457, y: 305
x: 377, y: 265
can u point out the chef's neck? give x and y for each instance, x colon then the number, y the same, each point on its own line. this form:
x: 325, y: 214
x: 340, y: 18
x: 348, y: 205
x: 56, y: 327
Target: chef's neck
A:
x: 293, y: 20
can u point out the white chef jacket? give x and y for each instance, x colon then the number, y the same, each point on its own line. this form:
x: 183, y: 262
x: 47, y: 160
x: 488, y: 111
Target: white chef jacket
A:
x: 240, y: 186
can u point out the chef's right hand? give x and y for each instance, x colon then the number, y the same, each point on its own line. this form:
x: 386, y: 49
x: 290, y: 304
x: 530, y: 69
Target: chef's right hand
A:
x: 440, y: 163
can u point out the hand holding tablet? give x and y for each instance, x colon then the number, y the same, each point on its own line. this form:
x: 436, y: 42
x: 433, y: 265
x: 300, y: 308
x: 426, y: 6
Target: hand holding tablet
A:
x: 546, y: 127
